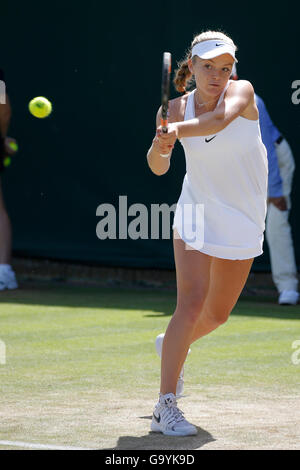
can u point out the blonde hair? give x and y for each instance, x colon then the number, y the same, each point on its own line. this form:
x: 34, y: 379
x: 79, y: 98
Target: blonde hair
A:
x: 183, y: 79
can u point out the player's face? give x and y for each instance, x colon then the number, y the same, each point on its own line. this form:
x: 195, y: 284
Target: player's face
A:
x: 212, y: 75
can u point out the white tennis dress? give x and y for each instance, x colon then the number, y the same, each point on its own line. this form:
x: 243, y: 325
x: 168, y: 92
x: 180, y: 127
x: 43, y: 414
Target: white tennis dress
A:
x: 226, y: 180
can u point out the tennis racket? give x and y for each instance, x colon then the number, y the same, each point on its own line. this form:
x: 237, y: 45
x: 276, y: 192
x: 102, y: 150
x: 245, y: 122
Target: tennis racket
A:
x: 165, y: 92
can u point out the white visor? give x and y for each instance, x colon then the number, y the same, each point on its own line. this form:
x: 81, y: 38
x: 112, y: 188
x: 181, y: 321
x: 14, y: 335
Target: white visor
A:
x: 213, y: 48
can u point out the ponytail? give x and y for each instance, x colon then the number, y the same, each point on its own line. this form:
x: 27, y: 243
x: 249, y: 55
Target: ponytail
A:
x: 182, y: 75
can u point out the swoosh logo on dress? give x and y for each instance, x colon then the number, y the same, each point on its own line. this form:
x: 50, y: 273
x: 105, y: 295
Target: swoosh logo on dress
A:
x: 157, y: 419
x: 208, y: 140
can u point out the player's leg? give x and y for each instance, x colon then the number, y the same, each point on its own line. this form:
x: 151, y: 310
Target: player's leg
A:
x: 192, y: 276
x: 227, y: 280
x: 192, y: 273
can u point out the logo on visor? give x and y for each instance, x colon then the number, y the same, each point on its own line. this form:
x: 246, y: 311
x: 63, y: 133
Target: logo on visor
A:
x: 219, y: 44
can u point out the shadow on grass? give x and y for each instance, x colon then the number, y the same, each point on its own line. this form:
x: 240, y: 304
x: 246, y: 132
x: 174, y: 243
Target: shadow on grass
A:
x: 154, y: 302
x: 157, y: 441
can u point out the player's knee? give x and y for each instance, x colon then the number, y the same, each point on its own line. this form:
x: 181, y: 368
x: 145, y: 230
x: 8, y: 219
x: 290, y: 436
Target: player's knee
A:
x: 218, y: 317
x: 191, y: 308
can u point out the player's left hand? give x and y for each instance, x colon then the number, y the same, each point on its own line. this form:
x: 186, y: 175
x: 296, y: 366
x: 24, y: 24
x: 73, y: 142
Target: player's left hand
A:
x: 279, y: 202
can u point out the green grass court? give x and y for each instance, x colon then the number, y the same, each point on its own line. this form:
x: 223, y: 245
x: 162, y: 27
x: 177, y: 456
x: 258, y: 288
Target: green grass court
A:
x: 81, y: 370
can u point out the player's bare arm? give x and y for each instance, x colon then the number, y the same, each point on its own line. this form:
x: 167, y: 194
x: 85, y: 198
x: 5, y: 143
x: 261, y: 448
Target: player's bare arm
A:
x: 160, y: 146
x: 238, y: 101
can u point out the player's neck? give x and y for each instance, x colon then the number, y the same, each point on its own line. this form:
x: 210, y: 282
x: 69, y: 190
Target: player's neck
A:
x: 204, y: 101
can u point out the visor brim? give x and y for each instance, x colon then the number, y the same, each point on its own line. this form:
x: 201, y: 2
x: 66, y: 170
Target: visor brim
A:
x: 217, y: 52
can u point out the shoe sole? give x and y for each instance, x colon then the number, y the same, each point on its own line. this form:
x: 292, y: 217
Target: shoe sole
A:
x: 288, y: 303
x: 289, y: 300
x: 156, y: 428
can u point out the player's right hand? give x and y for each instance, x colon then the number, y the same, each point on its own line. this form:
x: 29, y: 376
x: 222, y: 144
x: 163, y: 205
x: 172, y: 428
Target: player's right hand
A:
x: 166, y: 141
x: 161, y: 146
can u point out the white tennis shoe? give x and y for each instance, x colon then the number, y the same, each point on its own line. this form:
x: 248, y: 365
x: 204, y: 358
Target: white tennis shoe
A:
x: 180, y: 383
x: 7, y: 279
x: 288, y: 297
x: 169, y: 419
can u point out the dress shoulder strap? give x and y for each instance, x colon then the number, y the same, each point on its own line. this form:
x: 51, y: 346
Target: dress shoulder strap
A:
x: 223, y: 92
x: 189, y: 109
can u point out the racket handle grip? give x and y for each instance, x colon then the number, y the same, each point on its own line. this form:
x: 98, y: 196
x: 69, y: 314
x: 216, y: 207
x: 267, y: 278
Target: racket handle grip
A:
x: 164, y: 128
x: 164, y: 125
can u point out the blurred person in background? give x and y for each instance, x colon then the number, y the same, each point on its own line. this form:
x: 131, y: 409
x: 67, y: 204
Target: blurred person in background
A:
x: 278, y: 230
x: 7, y: 275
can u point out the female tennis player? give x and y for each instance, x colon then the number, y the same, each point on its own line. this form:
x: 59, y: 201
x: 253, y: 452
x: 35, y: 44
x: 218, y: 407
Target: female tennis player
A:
x: 226, y: 173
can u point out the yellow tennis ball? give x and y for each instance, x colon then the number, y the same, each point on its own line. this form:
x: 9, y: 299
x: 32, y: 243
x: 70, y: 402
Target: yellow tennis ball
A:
x: 6, y: 161
x: 40, y: 107
x: 13, y: 146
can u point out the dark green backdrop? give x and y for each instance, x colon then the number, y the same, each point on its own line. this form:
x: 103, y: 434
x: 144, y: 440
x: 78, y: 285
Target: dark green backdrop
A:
x: 100, y: 63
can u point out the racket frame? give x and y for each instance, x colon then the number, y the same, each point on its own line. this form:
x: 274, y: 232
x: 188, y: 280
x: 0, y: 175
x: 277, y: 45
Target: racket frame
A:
x: 165, y: 90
